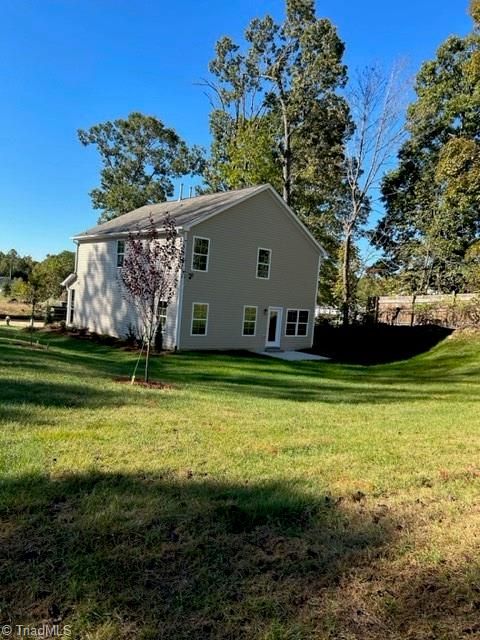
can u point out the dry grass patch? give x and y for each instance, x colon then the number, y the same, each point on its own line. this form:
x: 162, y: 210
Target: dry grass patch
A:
x: 14, y: 308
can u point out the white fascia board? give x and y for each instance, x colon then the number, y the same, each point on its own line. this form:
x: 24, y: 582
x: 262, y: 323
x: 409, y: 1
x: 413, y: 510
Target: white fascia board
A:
x: 70, y: 279
x: 118, y: 235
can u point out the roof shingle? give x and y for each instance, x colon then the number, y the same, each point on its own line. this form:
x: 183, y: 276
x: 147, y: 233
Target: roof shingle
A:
x: 183, y: 212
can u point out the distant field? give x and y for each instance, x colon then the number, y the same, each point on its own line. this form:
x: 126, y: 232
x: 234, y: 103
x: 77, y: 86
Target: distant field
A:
x: 255, y: 499
x: 13, y: 308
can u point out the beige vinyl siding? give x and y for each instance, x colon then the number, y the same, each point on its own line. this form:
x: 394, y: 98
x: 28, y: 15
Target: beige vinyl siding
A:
x: 231, y: 282
x: 100, y: 304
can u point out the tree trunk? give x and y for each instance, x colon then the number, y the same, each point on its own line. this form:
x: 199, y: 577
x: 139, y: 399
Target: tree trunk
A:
x: 147, y: 359
x: 346, y: 289
x: 287, y: 159
x: 424, y: 284
x: 286, y: 171
x: 31, y: 322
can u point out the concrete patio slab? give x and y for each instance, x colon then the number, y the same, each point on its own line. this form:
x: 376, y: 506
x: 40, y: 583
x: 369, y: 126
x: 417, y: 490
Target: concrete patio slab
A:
x: 292, y: 356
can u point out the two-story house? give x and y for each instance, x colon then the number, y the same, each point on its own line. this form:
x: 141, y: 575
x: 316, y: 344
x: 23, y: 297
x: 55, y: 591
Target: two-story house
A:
x: 249, y: 280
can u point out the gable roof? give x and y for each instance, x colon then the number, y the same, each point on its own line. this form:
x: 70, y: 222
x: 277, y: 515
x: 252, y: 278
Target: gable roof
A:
x: 185, y: 213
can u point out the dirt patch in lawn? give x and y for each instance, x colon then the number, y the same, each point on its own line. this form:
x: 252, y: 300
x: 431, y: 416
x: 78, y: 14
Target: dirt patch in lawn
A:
x: 151, y: 384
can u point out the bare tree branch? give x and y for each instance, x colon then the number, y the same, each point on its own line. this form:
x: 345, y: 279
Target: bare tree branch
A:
x: 377, y: 105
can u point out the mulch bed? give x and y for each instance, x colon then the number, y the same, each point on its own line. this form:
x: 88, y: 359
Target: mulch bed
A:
x: 152, y: 384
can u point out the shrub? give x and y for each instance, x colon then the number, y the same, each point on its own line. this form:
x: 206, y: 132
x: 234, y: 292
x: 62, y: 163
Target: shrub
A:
x: 458, y: 314
x: 131, y: 335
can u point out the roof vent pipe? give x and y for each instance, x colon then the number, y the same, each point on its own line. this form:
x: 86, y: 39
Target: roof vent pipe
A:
x: 180, y: 196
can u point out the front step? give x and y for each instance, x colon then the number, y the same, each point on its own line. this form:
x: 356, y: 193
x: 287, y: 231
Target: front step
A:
x: 273, y: 350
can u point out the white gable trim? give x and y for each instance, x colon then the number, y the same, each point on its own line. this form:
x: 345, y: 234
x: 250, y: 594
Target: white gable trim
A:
x: 280, y: 201
x: 120, y: 235
x: 187, y: 227
x: 69, y: 280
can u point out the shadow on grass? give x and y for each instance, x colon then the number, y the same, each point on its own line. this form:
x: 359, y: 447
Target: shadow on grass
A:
x: 376, y: 344
x: 64, y: 352
x: 48, y: 394
x: 23, y: 400
x: 159, y: 557
x: 449, y: 371
x: 444, y: 375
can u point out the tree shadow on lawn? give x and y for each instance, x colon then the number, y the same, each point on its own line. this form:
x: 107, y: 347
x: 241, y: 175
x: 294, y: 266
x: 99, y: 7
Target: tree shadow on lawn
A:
x: 371, y: 344
x: 52, y: 394
x: 320, y: 382
x: 70, y: 358
x: 23, y: 400
x: 442, y: 373
x: 160, y: 557
x: 142, y: 557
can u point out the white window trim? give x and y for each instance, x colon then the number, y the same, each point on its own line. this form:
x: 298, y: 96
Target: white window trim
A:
x: 120, y: 253
x: 269, y: 263
x: 164, y: 316
x: 71, y: 307
x: 296, y: 335
x: 200, y: 254
x: 249, y: 335
x: 200, y: 335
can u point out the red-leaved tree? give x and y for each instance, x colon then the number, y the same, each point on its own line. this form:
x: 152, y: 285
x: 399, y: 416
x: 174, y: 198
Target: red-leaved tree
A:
x: 150, y: 273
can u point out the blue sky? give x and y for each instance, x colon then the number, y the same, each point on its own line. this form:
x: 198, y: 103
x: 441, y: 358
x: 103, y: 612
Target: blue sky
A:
x: 66, y: 64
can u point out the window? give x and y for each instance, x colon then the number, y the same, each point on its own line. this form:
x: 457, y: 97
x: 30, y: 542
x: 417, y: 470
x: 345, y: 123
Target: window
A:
x: 120, y: 252
x: 200, y: 254
x: 199, y: 319
x: 249, y: 321
x: 72, y: 306
x: 263, y: 263
x: 162, y: 315
x: 297, y: 322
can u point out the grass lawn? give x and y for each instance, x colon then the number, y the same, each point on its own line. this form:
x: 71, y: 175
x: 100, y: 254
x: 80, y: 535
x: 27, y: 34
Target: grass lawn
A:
x: 256, y: 499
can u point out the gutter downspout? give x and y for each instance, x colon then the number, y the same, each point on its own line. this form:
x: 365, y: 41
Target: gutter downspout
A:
x: 76, y: 256
x: 178, y: 319
x: 69, y: 288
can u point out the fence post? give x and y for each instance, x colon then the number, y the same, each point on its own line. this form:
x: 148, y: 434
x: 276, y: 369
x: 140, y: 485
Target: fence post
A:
x: 372, y: 309
x: 454, y: 309
x: 412, y: 318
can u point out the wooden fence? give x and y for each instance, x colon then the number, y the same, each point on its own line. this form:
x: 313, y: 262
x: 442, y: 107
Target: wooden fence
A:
x: 448, y: 310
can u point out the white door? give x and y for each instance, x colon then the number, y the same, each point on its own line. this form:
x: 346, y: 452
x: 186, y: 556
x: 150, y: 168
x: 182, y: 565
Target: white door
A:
x: 274, y: 326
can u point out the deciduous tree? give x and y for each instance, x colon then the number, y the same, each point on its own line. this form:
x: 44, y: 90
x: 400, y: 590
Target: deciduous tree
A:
x: 432, y: 199
x: 277, y: 115
x: 376, y: 107
x: 13, y: 265
x: 140, y: 158
x: 149, y: 276
x: 53, y: 270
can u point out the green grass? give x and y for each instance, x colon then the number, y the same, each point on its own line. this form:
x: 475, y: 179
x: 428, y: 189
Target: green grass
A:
x: 255, y: 499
